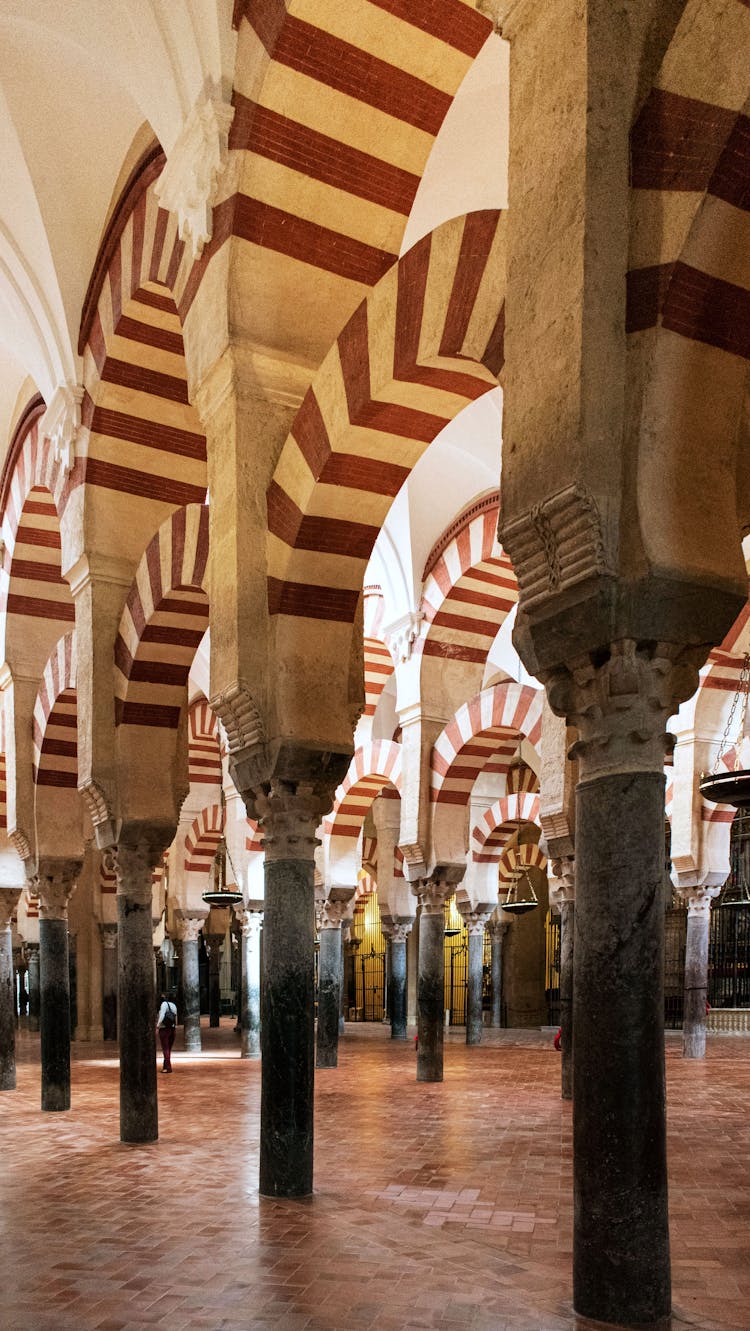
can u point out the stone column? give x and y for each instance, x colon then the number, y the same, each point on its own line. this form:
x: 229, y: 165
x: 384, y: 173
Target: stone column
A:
x: 23, y: 999
x: 32, y: 961
x: 250, y: 921
x: 698, y: 901
x: 620, y: 705
x: 475, y: 923
x: 398, y: 932
x: 138, y: 853
x: 109, y: 980
x: 290, y: 813
x: 497, y: 930
x: 57, y: 880
x: 73, y: 982
x: 431, y: 979
x: 214, y: 944
x: 188, y: 929
x: 562, y: 887
x: 330, y: 980
x: 342, y: 989
x: 8, y: 901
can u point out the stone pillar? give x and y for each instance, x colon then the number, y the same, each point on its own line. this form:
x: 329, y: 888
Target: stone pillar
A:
x: 696, y: 970
x: 342, y: 989
x: 8, y: 901
x: 188, y: 929
x: 562, y: 887
x: 138, y: 852
x: 214, y: 944
x: 497, y: 930
x: 431, y: 979
x: 57, y: 880
x: 330, y: 980
x: 73, y: 982
x: 109, y: 980
x: 32, y: 961
x: 290, y: 813
x: 250, y: 921
x: 475, y: 923
x: 398, y: 933
x: 620, y: 705
x: 23, y: 998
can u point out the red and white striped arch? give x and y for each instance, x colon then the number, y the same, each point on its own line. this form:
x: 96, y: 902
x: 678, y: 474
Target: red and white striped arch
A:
x: 337, y: 107
x: 527, y: 856
x: 499, y: 822
x: 55, y: 719
x: 375, y: 770
x: 202, y: 840
x: 165, y: 617
x: 378, y: 660
x: 425, y: 343
x: 469, y: 588
x: 483, y: 736
x: 204, y: 752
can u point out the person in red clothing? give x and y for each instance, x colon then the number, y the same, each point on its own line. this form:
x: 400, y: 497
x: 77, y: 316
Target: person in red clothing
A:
x: 558, y: 1039
x: 166, y: 1023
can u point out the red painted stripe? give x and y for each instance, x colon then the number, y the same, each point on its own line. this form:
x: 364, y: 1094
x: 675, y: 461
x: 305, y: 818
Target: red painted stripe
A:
x: 371, y: 475
x: 66, y: 780
x: 39, y: 609
x: 676, y: 142
x: 159, y: 672
x: 309, y: 431
x: 149, y: 434
x: 141, y: 380
x: 281, y: 139
x: 112, y: 477
x: 174, y: 635
x: 709, y: 310
x: 151, y: 335
x: 646, y: 290
x: 158, y: 302
x: 494, y: 354
x: 311, y: 602
x: 456, y: 24
x: 322, y: 534
x: 348, y: 69
x: 262, y: 224
x: 146, y: 714
x: 28, y: 570
x: 463, y: 624
x: 266, y: 17
x: 478, y: 235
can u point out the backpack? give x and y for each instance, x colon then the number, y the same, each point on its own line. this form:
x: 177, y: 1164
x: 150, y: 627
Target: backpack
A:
x: 170, y: 1016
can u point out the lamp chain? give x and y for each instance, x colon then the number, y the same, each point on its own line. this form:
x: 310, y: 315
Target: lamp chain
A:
x: 742, y: 690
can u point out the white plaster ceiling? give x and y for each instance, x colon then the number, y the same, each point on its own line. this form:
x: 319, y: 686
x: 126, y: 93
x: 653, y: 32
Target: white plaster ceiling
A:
x: 78, y: 78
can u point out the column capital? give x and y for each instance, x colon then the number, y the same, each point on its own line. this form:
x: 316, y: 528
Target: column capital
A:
x: 397, y: 928
x: 289, y: 815
x: 497, y: 929
x: 9, y: 897
x: 109, y: 936
x: 134, y: 858
x: 698, y: 899
x: 30, y: 950
x: 188, y: 927
x: 250, y: 921
x: 620, y: 704
x: 562, y: 880
x: 334, y: 913
x: 432, y: 893
x: 55, y: 883
x: 476, y: 922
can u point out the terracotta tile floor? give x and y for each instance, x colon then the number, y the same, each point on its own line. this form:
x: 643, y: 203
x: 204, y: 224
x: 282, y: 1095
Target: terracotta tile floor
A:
x: 436, y: 1206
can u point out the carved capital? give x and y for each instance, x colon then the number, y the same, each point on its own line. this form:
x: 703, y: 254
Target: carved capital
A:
x: 8, y: 901
x: 402, y: 634
x: 100, y: 811
x: 188, y: 185
x: 497, y: 929
x: 620, y: 705
x: 698, y: 899
x: 562, y: 880
x: 109, y: 936
x: 334, y: 913
x: 134, y: 859
x: 250, y: 921
x: 21, y: 844
x: 397, y: 929
x: 55, y: 883
x: 213, y: 943
x: 188, y: 927
x: 288, y: 815
x: 476, y: 921
x: 432, y: 894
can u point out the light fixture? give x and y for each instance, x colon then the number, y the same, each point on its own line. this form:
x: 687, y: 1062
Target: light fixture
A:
x: 514, y: 903
x: 731, y: 787
x: 221, y: 893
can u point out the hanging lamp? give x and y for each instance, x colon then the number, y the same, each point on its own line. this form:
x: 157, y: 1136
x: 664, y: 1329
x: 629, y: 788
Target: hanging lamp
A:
x: 732, y: 787
x: 221, y: 893
x: 515, y: 903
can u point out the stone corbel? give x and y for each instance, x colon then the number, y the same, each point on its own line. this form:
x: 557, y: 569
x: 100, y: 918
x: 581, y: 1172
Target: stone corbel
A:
x: 249, y: 759
x: 562, y: 881
x: 99, y: 808
x: 61, y: 423
x: 189, y: 184
x: 401, y: 635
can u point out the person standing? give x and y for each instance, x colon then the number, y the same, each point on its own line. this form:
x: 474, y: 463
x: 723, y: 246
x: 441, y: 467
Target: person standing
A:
x: 166, y: 1023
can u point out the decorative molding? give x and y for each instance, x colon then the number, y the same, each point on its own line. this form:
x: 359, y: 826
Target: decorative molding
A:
x: 288, y: 816
x: 401, y: 635
x: 242, y: 722
x: 61, y: 423
x: 21, y: 844
x: 562, y: 880
x: 188, y: 185
x: 620, y: 706
x: 698, y: 899
x: 250, y: 921
x: 432, y: 893
x: 335, y: 913
x: 556, y: 545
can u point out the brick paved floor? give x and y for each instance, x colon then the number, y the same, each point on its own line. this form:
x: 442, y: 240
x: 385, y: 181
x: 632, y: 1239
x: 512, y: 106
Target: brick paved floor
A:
x: 441, y: 1206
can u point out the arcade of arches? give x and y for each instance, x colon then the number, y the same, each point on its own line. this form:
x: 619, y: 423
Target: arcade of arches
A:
x: 280, y: 281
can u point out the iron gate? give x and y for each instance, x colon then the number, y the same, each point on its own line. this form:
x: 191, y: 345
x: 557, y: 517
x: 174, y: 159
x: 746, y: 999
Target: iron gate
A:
x: 729, y: 955
x: 553, y: 934
x: 675, y: 932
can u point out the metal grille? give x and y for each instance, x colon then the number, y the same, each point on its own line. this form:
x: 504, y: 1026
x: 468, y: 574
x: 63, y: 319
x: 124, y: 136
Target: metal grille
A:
x: 729, y: 956
x: 369, y: 961
x: 553, y: 934
x: 675, y: 932
x: 456, y: 964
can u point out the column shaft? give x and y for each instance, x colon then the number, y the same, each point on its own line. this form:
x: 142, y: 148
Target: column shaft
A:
x: 474, y: 987
x: 567, y: 931
x: 214, y: 981
x: 398, y: 988
x: 496, y: 1018
x: 288, y: 1033
x: 430, y: 995
x: 54, y: 1014
x: 696, y: 984
x: 250, y: 984
x: 330, y: 967
x: 621, y: 1238
x: 32, y: 950
x: 191, y: 994
x: 136, y: 997
x: 7, y: 1013
x: 109, y: 985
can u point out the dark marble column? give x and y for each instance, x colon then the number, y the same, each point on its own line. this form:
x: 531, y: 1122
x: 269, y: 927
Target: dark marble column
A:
x: 23, y: 997
x: 250, y: 921
x: 8, y: 901
x: 567, y: 952
x: 431, y: 980
x: 32, y: 961
x: 330, y: 970
x: 73, y: 982
x: 497, y: 930
x: 290, y: 815
x: 109, y: 980
x: 57, y: 881
x: 342, y: 990
x: 475, y: 923
x: 621, y: 1267
x: 214, y: 943
x: 398, y: 936
x: 696, y: 971
x: 189, y: 928
x: 139, y: 851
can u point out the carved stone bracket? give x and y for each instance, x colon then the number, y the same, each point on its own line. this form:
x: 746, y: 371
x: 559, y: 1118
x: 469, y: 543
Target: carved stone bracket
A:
x: 402, y: 634
x: 621, y: 705
x: 55, y: 883
x: 188, y: 185
x: 562, y: 881
x: 9, y: 897
x: 61, y: 423
x: 556, y: 544
x: 100, y: 811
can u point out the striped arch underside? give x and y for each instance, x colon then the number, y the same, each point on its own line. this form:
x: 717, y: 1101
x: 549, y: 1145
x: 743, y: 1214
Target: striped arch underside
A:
x: 202, y: 840
x: 375, y: 770
x: 55, y: 720
x: 527, y: 856
x: 468, y: 592
x: 425, y: 343
x: 483, y: 737
x: 490, y: 835
x: 165, y: 617
x: 204, y: 752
